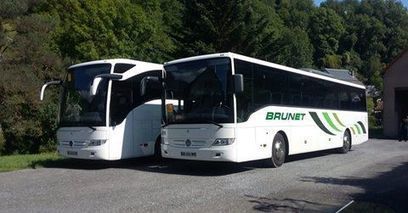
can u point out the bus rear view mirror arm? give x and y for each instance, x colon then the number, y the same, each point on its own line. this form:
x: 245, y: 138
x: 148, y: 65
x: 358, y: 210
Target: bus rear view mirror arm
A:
x: 98, y: 79
x: 46, y: 85
x: 149, y: 82
x: 238, y: 83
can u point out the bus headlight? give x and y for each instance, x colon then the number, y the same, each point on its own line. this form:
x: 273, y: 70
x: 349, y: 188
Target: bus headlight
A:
x: 223, y: 141
x: 96, y: 142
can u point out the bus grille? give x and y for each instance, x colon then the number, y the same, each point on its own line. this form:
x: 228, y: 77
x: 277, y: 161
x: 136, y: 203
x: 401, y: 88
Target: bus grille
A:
x: 77, y: 144
x: 194, y: 143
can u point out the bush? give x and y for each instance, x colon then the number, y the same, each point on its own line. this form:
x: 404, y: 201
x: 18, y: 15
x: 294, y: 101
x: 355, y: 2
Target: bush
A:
x: 372, y: 121
x: 2, y: 141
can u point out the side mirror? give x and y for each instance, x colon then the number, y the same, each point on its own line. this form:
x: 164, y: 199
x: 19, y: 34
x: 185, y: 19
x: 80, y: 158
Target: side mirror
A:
x: 46, y: 85
x: 238, y: 83
x: 148, y: 83
x: 97, y: 80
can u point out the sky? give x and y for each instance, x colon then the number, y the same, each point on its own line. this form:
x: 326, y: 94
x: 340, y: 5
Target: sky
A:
x: 404, y: 2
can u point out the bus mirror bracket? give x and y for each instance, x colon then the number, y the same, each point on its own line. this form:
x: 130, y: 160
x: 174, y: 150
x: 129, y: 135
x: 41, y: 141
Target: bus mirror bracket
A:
x: 46, y: 85
x: 238, y: 83
x: 97, y: 80
x: 147, y: 83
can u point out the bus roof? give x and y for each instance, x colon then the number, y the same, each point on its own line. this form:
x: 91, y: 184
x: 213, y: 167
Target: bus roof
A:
x: 266, y: 63
x: 116, y: 61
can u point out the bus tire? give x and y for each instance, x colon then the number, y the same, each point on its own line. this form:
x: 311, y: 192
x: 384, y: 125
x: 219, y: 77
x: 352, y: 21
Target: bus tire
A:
x: 346, y: 143
x: 279, y: 151
x: 157, y: 148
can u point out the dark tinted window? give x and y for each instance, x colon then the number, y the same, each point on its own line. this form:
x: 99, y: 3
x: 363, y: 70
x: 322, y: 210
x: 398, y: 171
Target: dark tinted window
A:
x: 245, y: 100
x: 204, y: 88
x: 121, y: 68
x: 78, y: 106
x: 126, y: 96
x: 357, y: 99
x: 270, y: 86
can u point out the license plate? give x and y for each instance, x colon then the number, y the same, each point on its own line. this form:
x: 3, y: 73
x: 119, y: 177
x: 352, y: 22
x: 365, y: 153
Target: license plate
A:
x: 189, y: 154
x: 72, y: 153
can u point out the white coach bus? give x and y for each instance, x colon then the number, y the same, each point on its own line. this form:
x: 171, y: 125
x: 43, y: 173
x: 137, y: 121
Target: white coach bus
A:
x: 103, y: 115
x: 236, y: 108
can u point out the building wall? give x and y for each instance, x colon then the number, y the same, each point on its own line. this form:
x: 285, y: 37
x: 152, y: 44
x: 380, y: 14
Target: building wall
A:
x: 396, y: 76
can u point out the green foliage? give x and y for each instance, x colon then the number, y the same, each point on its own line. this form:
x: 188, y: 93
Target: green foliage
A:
x: 91, y: 30
x: 295, y: 13
x: 39, y: 37
x: 26, y: 62
x: 293, y: 48
x: 371, y: 117
x: 332, y: 61
x: 375, y: 33
x: 326, y: 29
x: 221, y: 26
x: 13, y: 8
x: 2, y: 141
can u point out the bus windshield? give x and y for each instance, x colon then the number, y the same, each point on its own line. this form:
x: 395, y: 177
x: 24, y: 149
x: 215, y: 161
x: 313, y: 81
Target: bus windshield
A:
x: 78, y: 106
x: 202, y: 89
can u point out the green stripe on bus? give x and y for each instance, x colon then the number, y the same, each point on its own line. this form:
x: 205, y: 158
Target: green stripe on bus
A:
x: 338, y: 120
x: 358, y: 129
x: 362, y: 127
x: 352, y: 129
x: 319, y: 123
x: 330, y: 122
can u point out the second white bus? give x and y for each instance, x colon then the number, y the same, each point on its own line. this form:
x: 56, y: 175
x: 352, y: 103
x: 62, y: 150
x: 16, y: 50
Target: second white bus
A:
x: 103, y: 115
x: 236, y: 108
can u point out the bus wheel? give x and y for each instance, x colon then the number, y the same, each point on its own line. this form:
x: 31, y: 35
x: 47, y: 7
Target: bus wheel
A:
x: 346, y: 143
x: 157, y: 149
x: 278, y: 151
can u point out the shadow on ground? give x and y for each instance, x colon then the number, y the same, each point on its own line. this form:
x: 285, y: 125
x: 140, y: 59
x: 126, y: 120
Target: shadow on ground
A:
x: 265, y: 204
x: 312, y: 155
x: 149, y: 164
x: 387, y: 192
x: 169, y: 166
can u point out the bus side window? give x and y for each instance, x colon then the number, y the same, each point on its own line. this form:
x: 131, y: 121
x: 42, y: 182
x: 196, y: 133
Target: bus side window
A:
x: 343, y: 101
x: 356, y: 101
x: 294, y: 90
x: 121, y: 100
x: 245, y: 103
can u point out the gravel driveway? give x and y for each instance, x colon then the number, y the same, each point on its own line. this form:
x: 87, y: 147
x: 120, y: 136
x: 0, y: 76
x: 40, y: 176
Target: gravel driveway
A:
x: 375, y: 172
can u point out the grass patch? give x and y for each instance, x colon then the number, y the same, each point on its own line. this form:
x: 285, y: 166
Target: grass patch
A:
x: 17, y: 162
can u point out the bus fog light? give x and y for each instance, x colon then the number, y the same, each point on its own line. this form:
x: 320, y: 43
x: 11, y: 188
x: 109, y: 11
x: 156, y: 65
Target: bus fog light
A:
x: 96, y: 142
x: 223, y: 141
x: 218, y: 154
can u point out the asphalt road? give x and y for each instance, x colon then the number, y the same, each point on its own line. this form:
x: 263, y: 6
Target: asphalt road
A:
x: 374, y: 173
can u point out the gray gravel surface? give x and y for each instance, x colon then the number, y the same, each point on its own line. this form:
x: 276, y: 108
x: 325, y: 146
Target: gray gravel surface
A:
x: 374, y: 172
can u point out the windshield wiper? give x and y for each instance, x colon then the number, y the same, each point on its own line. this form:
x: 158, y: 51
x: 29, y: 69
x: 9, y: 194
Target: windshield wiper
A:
x: 165, y: 124
x: 215, y: 123
x: 91, y: 127
x: 207, y: 121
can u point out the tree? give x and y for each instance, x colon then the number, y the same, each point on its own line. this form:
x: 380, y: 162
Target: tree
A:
x: 92, y: 30
x: 219, y: 26
x: 326, y: 29
x: 295, y: 13
x: 376, y: 32
x: 29, y: 59
x: 293, y: 48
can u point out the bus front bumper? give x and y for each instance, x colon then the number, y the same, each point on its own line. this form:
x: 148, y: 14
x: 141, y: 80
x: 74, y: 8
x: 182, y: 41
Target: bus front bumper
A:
x: 93, y: 153
x: 221, y: 153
